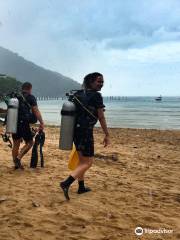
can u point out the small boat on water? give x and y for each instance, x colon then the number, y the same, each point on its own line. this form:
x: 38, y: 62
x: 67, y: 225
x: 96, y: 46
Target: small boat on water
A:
x: 158, y: 98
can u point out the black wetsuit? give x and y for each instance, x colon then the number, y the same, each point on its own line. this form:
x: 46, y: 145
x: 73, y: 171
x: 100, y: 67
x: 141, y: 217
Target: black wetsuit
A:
x: 23, y: 127
x: 83, y: 133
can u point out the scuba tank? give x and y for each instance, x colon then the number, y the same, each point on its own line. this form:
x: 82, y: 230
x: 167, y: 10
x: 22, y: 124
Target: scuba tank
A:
x: 68, y: 117
x: 75, y: 110
x: 12, y: 115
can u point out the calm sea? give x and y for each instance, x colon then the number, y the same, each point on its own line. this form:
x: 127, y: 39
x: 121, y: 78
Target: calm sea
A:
x: 127, y: 112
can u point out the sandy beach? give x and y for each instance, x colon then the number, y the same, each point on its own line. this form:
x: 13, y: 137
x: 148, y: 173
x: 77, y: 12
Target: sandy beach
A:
x: 135, y: 183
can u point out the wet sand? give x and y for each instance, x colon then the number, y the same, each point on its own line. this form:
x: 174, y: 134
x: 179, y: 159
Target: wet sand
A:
x: 135, y: 182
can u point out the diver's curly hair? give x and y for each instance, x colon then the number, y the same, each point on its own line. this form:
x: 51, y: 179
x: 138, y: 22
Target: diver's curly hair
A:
x: 90, y: 78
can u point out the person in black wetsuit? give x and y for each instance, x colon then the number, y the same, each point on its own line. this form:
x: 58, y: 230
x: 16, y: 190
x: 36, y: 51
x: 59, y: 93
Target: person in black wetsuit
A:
x: 23, y: 128
x: 83, y: 134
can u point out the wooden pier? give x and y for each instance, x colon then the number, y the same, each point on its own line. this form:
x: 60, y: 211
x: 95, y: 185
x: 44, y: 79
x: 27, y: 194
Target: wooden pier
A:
x: 107, y: 98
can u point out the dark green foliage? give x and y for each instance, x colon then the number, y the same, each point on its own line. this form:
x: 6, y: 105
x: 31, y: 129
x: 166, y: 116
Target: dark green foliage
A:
x: 8, y: 84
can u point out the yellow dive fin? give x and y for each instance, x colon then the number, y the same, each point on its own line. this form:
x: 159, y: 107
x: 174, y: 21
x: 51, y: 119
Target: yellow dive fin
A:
x: 73, y: 159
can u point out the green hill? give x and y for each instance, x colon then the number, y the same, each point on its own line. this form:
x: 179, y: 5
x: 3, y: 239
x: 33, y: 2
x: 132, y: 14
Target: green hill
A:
x: 45, y: 82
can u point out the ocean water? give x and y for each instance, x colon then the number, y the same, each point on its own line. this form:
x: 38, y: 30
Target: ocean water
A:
x: 127, y: 112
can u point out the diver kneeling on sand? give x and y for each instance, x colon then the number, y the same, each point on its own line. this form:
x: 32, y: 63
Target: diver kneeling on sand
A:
x: 89, y: 109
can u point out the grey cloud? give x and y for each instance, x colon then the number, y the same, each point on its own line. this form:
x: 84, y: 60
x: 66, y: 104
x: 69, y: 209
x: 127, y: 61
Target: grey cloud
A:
x: 140, y: 40
x: 126, y: 25
x: 116, y: 24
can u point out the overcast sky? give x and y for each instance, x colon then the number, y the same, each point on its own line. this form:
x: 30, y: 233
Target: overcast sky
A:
x: 134, y: 43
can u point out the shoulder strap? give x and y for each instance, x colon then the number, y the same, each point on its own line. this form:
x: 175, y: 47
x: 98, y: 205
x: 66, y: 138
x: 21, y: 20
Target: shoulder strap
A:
x: 85, y: 108
x: 25, y: 101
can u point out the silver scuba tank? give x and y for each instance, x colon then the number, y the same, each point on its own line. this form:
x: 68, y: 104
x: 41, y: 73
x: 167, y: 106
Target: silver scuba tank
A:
x: 68, y: 115
x: 12, y: 115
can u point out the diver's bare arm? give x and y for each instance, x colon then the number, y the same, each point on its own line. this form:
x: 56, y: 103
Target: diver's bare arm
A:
x: 102, y: 121
x: 38, y: 114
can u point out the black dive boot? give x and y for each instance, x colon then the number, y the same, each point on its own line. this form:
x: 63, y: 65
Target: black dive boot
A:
x: 65, y: 186
x: 18, y: 164
x: 82, y: 188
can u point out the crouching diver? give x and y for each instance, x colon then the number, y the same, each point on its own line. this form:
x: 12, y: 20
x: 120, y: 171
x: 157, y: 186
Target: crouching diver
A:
x: 28, y: 113
x: 90, y: 109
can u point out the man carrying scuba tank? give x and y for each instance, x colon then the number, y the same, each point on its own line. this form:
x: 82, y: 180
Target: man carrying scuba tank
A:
x: 89, y: 109
x: 28, y: 112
